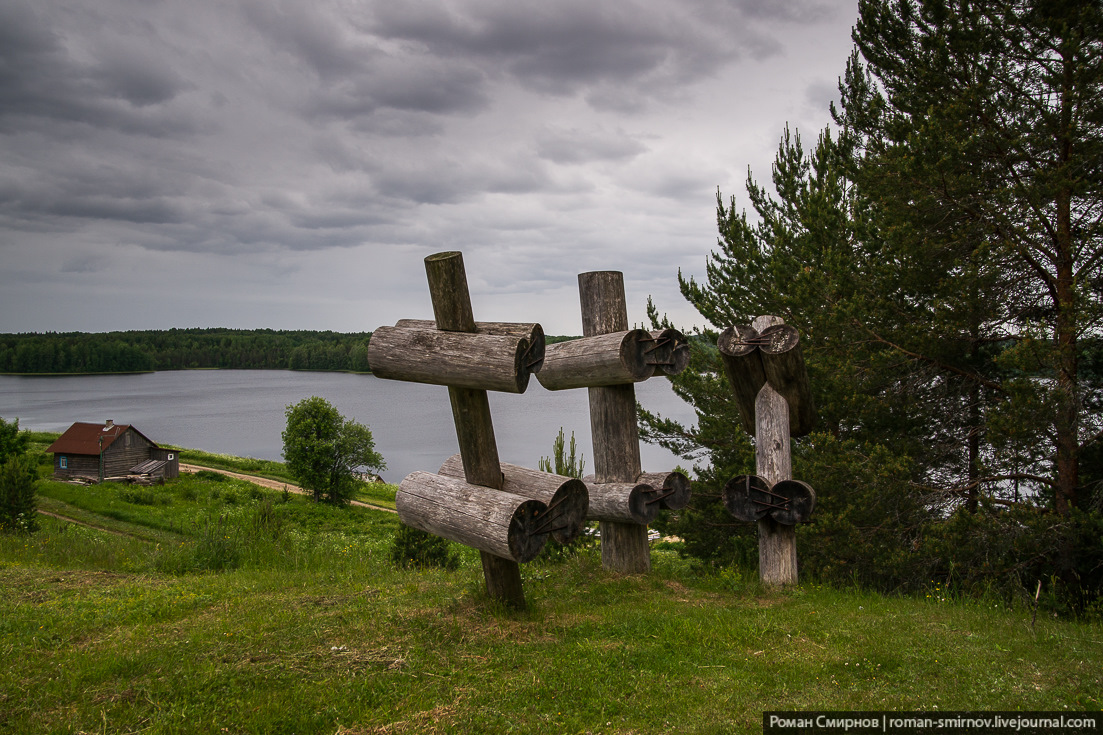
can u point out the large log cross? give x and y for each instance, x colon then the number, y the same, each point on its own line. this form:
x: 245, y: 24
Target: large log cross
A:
x: 505, y: 512
x: 766, y: 370
x: 608, y: 361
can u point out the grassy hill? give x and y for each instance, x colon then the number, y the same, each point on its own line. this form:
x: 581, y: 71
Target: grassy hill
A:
x: 211, y: 605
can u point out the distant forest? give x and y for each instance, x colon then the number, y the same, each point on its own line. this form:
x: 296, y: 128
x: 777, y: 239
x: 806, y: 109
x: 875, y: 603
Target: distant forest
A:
x: 178, y: 349
x: 182, y: 349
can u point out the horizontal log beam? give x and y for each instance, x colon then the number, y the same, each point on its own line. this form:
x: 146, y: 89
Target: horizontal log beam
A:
x: 531, y: 332
x: 784, y: 367
x: 566, y: 498
x: 742, y: 362
x: 673, y: 488
x: 617, y: 358
x: 622, y: 502
x: 670, y: 351
x: 492, y: 521
x: 456, y: 359
x: 751, y: 498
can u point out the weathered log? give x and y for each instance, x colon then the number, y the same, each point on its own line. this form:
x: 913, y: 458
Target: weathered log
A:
x: 492, y: 521
x: 613, y: 427
x: 747, y: 497
x: 622, y: 502
x: 607, y: 359
x: 777, y: 543
x: 673, y: 488
x: 670, y: 354
x: 565, y: 497
x: 460, y: 359
x: 471, y: 414
x: 533, y: 334
x: 797, y: 499
x: 742, y: 362
x: 783, y: 364
x: 448, y: 289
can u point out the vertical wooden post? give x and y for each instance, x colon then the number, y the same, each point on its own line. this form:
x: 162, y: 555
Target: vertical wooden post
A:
x: 471, y: 413
x: 777, y: 543
x: 616, y: 441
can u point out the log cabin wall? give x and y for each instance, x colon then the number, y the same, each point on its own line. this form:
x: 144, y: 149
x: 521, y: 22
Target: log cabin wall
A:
x: 171, y: 456
x: 76, y: 465
x: 126, y: 451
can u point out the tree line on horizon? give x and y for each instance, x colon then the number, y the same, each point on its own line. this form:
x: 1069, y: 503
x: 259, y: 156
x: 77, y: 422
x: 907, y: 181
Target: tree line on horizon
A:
x: 184, y: 349
x: 181, y: 349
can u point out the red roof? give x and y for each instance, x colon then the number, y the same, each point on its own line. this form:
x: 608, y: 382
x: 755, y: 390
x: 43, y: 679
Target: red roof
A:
x: 82, y: 438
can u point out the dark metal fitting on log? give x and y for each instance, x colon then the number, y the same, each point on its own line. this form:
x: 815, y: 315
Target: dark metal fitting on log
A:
x: 661, y: 498
x: 539, y: 530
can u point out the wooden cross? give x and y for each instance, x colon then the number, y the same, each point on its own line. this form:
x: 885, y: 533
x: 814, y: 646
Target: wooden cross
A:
x: 766, y: 370
x: 504, y: 511
x: 607, y: 361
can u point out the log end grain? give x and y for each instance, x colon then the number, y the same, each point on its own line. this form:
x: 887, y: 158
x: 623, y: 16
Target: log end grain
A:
x: 798, y: 499
x: 747, y: 497
x: 674, y: 488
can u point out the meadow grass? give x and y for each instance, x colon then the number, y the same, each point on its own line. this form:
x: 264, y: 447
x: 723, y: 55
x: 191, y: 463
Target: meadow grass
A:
x: 310, y: 628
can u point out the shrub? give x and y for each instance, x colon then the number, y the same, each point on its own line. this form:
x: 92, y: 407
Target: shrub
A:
x: 416, y: 548
x: 138, y: 495
x: 18, y: 505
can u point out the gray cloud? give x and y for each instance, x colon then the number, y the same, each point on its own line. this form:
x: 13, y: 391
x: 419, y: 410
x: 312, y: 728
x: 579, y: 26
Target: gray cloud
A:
x: 255, y: 141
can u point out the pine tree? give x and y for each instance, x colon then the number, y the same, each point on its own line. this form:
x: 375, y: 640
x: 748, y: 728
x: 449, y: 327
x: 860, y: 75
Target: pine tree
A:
x: 976, y: 131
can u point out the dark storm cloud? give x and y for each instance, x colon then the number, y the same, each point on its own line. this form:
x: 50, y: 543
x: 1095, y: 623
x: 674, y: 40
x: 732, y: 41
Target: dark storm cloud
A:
x: 272, y: 139
x: 111, y: 86
x: 564, y: 47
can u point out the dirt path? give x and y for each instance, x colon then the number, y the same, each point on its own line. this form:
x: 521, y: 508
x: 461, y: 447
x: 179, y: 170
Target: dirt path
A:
x: 274, y: 484
x: 89, y: 525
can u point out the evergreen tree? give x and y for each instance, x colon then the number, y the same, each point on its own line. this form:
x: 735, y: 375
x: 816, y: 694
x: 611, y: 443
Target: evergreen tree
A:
x: 941, y: 258
x: 975, y: 129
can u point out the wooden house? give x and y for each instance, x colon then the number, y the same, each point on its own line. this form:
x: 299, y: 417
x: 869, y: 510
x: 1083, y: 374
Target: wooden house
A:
x: 99, y: 451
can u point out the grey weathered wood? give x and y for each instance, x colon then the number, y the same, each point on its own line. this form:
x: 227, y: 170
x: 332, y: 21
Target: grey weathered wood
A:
x: 470, y: 406
x: 670, y: 351
x: 613, y: 424
x: 605, y: 359
x: 674, y: 488
x: 784, y: 367
x: 503, y: 580
x: 604, y: 309
x: 742, y: 362
x: 448, y: 289
x: 532, y: 333
x: 471, y: 413
x: 622, y: 502
x: 566, y: 498
x: 492, y: 521
x: 460, y: 359
x: 777, y: 544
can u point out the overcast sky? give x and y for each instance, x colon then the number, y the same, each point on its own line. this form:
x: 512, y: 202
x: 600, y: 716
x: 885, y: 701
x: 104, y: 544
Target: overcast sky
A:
x: 289, y: 164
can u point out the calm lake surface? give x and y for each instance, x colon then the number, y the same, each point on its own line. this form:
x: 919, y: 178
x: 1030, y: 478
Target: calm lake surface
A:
x: 241, y: 412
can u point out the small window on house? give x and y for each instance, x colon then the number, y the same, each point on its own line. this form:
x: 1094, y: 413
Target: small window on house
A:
x: 126, y: 440
x: 63, y: 462
x: 171, y: 456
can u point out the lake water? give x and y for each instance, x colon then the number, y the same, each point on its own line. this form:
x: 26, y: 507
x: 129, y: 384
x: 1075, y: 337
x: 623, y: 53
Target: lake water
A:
x: 241, y: 412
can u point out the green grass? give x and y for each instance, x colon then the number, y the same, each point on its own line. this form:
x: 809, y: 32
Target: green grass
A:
x: 311, y: 629
x: 271, y: 469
